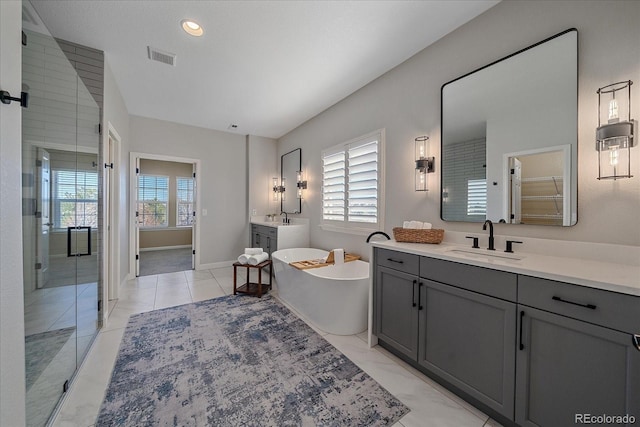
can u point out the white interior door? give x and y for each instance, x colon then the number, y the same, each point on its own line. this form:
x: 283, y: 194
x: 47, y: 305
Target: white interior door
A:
x: 108, y: 220
x: 43, y: 217
x: 516, y: 190
x: 137, y: 218
x: 193, y: 221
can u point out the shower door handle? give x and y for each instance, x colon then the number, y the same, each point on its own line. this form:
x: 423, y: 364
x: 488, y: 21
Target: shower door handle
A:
x: 69, y: 230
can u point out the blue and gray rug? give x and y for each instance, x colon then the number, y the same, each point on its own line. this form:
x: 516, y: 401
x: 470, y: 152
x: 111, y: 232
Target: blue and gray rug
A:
x: 237, y: 361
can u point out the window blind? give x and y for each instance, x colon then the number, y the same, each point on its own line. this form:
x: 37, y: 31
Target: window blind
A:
x: 363, y: 183
x: 351, y: 179
x: 477, y: 197
x: 75, y: 198
x: 333, y: 186
x: 153, y: 200
x: 184, y: 200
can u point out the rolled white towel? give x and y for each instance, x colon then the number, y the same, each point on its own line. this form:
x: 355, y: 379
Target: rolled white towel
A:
x: 243, y: 259
x: 415, y: 224
x: 427, y: 226
x: 338, y: 256
x: 257, y: 259
x: 406, y: 224
x: 253, y: 251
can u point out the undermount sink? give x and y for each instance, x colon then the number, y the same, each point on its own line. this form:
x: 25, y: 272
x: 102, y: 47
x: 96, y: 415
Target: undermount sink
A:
x: 484, y: 254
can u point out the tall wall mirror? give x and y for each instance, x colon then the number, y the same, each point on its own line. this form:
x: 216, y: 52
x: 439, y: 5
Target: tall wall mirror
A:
x: 290, y: 164
x: 509, y: 138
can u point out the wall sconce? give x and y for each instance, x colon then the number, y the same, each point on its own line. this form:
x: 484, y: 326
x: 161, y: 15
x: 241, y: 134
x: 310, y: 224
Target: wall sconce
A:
x: 279, y: 189
x: 301, y: 183
x: 615, y: 138
x: 424, y: 164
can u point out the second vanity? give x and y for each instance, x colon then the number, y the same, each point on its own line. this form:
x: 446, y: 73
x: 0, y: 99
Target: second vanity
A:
x: 532, y: 340
x: 271, y: 235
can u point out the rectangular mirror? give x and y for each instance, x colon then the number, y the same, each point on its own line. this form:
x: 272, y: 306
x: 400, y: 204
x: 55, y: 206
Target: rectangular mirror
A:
x: 509, y: 138
x: 290, y: 164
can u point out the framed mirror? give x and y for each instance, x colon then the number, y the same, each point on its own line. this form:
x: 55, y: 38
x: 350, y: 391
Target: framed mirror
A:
x: 509, y: 138
x: 290, y: 164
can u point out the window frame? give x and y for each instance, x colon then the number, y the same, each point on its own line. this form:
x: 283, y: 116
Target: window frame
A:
x: 355, y: 227
x: 56, y: 211
x: 192, y: 203
x: 138, y: 201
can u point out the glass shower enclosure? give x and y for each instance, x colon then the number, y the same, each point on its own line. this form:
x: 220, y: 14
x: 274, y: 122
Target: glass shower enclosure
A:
x: 61, y: 216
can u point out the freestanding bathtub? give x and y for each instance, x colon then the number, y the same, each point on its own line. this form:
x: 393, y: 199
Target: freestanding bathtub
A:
x: 334, y: 298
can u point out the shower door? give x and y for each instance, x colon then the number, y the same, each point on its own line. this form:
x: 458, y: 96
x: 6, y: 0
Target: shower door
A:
x: 61, y: 218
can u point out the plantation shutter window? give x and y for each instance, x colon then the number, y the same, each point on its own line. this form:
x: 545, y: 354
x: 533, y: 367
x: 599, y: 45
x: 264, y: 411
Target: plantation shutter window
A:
x: 477, y: 197
x: 334, y: 186
x: 352, y: 185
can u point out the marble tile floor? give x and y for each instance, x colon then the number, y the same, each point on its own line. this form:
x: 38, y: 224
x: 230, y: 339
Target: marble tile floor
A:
x: 431, y: 405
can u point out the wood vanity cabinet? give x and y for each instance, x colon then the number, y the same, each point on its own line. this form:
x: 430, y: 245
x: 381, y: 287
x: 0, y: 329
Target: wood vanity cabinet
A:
x: 576, y: 353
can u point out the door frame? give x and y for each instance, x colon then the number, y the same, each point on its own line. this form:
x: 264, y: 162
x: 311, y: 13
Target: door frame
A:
x: 134, y: 158
x: 111, y: 207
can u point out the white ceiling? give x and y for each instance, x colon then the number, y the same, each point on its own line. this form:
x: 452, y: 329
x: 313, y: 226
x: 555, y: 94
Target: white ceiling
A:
x: 267, y: 66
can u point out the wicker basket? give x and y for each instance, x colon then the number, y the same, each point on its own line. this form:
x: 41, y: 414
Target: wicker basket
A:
x: 412, y: 235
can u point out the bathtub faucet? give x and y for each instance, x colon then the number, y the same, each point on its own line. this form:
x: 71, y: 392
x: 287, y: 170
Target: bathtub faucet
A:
x: 378, y: 232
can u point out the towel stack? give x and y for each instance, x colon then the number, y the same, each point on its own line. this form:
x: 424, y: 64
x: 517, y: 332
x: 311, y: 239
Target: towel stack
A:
x: 418, y: 225
x: 253, y: 256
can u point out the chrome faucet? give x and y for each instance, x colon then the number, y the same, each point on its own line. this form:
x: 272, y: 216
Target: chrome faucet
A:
x: 484, y: 227
x: 286, y: 217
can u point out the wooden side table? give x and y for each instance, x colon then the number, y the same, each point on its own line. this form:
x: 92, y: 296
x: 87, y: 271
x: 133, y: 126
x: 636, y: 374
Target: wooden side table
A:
x: 252, y: 288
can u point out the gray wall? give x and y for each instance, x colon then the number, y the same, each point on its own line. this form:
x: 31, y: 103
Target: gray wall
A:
x: 224, y: 232
x: 262, y: 166
x: 406, y: 101
x: 12, y: 379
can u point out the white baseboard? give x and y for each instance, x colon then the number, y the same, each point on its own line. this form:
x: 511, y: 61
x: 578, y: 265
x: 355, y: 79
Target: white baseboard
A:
x: 164, y: 248
x: 215, y: 265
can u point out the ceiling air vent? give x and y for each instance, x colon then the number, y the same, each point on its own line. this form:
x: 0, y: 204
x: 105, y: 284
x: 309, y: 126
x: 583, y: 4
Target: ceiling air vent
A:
x: 160, y: 56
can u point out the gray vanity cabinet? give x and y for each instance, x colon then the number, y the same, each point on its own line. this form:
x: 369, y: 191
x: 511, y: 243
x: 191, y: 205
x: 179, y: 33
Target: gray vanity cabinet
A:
x: 576, y: 353
x: 397, y: 310
x: 264, y: 237
x: 396, y: 300
x: 468, y: 339
x: 468, y: 330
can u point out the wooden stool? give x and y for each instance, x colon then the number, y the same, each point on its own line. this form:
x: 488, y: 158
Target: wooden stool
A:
x: 251, y: 288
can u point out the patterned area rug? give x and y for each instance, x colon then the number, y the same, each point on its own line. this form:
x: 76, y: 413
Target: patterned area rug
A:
x: 40, y: 349
x: 237, y: 361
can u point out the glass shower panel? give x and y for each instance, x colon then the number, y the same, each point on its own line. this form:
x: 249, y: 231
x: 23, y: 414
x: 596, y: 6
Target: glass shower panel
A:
x: 60, y: 218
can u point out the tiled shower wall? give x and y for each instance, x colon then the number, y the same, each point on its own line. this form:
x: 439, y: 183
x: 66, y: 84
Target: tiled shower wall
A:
x: 470, y: 164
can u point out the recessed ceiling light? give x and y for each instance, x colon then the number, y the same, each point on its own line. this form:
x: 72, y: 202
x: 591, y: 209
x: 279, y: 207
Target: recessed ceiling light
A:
x: 192, y: 27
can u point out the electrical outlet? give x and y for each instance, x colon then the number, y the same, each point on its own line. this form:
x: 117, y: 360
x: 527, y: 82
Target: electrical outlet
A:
x: 254, y: 212
x: 204, y: 212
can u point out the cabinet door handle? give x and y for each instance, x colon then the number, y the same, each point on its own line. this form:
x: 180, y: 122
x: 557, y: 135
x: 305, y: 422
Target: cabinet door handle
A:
x: 589, y: 306
x: 413, y: 293
x: 521, y: 322
x: 398, y: 261
x: 420, y: 296
x: 636, y: 341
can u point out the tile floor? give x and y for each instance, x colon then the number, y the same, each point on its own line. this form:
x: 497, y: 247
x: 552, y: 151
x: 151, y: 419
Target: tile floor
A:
x: 430, y: 404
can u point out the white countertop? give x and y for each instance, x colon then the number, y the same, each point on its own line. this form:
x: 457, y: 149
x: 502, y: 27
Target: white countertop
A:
x: 622, y: 278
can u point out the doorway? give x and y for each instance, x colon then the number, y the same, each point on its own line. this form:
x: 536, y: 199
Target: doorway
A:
x: 165, y: 227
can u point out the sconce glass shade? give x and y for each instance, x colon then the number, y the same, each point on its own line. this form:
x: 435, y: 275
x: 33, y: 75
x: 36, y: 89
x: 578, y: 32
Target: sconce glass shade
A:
x: 301, y: 183
x: 275, y: 188
x: 283, y: 188
x: 615, y: 138
x: 424, y: 164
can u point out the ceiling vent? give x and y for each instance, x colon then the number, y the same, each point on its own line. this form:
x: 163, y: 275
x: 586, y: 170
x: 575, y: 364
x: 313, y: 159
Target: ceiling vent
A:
x: 160, y: 56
